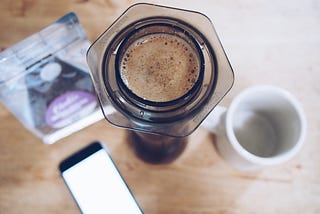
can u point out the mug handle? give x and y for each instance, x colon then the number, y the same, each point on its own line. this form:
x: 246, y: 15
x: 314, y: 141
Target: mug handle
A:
x: 215, y: 120
x: 215, y: 123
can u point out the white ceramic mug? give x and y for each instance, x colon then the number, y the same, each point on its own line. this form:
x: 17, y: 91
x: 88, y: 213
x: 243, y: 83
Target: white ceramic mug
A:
x: 264, y: 125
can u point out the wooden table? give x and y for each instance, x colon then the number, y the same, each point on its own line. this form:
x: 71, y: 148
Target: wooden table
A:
x: 267, y: 42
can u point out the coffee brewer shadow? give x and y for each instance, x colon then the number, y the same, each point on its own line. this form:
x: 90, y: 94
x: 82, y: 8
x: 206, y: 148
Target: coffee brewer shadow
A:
x: 158, y: 72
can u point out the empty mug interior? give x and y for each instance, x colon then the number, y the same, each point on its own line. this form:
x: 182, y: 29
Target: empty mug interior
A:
x: 265, y: 122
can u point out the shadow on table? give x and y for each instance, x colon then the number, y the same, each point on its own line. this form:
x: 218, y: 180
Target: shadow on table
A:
x: 198, y: 181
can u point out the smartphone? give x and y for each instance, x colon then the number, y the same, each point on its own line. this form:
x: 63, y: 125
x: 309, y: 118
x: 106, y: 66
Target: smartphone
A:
x: 95, y: 182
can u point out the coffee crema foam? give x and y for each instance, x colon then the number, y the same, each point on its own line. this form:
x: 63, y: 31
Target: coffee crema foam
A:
x: 160, y: 67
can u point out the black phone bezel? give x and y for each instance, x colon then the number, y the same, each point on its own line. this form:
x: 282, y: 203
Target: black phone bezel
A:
x: 80, y: 155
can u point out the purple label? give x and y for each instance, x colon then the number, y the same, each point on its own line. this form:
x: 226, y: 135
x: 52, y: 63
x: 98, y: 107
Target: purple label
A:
x: 70, y: 107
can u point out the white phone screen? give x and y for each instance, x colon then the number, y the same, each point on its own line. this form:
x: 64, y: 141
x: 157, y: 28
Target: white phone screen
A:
x: 98, y: 187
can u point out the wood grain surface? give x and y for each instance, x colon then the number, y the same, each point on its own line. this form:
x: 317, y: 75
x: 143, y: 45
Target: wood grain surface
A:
x: 267, y: 42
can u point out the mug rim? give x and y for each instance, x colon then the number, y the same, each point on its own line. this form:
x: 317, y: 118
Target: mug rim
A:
x: 285, y: 156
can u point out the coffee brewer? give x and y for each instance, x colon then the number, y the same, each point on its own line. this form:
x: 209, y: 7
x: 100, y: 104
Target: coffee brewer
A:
x: 158, y: 126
